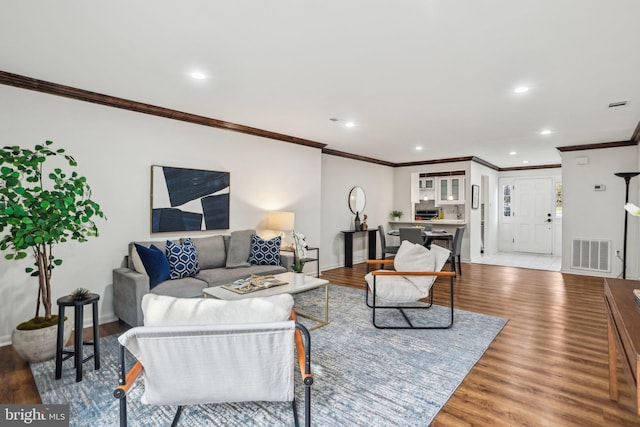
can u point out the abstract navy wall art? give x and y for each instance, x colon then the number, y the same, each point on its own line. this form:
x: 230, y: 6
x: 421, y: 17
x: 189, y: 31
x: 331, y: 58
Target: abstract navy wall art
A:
x: 188, y: 199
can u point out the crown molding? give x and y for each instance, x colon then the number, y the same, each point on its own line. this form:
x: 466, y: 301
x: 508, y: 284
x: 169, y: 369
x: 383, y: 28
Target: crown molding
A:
x: 598, y: 145
x: 42, y: 86
x: 29, y: 83
x: 525, y: 168
x: 338, y: 153
x: 636, y: 134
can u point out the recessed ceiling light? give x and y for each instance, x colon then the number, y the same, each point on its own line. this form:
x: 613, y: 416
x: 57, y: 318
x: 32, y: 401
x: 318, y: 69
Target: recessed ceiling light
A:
x: 198, y: 75
x: 545, y: 132
x: 512, y: 153
x: 350, y: 124
x: 521, y: 89
x: 419, y: 148
x: 525, y: 161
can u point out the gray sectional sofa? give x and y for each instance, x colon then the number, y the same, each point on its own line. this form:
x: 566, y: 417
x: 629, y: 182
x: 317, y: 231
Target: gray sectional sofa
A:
x: 222, y: 259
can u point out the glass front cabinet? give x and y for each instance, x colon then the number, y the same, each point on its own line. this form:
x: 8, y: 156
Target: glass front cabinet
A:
x: 426, y: 187
x: 451, y: 190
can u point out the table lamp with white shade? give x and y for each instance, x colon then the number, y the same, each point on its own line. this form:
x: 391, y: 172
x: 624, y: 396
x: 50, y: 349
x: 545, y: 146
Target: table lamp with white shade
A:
x: 282, y: 222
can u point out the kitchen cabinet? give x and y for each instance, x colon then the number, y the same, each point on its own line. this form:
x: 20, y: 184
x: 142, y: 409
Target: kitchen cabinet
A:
x: 427, y: 188
x: 450, y: 190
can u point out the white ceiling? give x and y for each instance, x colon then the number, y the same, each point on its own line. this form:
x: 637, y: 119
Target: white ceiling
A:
x: 436, y: 73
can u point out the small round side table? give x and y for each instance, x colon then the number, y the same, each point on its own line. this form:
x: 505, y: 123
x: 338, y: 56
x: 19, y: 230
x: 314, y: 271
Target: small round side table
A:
x: 78, y: 343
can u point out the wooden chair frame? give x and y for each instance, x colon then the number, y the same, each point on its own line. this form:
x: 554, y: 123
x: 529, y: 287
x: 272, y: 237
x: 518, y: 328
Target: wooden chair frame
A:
x: 303, y: 349
x: 374, y: 306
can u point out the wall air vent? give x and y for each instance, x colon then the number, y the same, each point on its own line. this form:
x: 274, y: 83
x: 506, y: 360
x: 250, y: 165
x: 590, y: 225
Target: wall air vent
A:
x: 618, y: 104
x: 594, y: 255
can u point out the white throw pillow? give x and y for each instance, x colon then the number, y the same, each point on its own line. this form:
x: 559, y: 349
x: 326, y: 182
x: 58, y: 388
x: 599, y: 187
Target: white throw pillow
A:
x: 162, y: 310
x: 137, y: 261
x: 410, y: 257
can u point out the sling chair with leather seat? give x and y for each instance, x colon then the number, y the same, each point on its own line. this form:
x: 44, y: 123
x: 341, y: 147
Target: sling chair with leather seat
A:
x: 416, y: 269
x: 196, y: 351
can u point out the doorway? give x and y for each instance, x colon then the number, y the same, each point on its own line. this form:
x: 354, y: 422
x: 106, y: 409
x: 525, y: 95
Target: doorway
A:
x: 533, y: 215
x: 527, y: 215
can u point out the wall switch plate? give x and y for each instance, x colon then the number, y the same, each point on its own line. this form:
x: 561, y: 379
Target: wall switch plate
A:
x: 599, y: 187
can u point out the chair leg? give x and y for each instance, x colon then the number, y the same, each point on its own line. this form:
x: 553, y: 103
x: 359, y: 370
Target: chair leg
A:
x: 295, y: 413
x: 177, y: 417
x: 452, y: 260
x: 459, y: 265
x: 374, y: 306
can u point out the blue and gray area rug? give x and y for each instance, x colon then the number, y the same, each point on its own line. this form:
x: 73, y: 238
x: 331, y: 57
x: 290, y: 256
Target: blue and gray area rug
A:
x: 363, y: 376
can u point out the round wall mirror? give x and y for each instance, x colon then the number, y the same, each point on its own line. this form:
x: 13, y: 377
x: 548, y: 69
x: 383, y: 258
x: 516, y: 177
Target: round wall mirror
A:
x: 357, y: 199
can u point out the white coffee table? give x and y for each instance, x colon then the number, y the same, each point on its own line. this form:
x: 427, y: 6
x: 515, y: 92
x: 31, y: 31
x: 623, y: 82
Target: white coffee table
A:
x: 290, y: 288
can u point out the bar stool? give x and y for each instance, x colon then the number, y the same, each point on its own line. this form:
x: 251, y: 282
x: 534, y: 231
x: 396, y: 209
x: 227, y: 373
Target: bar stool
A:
x: 78, y: 343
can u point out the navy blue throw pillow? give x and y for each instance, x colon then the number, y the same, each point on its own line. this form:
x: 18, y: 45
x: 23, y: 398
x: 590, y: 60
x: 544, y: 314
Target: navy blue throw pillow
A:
x: 183, y: 259
x: 156, y: 264
x: 264, y: 252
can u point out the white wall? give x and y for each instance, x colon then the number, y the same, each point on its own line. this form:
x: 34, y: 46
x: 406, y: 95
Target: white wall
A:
x: 599, y: 215
x: 491, y: 212
x: 115, y: 149
x: 339, y: 175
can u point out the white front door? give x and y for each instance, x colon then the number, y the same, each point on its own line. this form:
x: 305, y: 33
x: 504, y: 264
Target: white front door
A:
x: 533, y: 215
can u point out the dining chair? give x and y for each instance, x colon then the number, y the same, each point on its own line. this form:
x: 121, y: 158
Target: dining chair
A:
x: 456, y: 248
x: 383, y: 243
x: 412, y: 234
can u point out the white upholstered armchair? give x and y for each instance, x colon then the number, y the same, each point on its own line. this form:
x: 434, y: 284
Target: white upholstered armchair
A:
x: 249, y: 346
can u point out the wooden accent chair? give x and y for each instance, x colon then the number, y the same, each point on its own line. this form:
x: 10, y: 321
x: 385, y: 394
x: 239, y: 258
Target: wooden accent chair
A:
x: 416, y: 270
x: 249, y: 359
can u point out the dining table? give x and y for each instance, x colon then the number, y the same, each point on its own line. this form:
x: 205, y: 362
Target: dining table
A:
x: 430, y: 236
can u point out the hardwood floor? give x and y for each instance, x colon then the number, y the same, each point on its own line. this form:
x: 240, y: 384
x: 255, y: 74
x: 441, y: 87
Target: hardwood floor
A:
x: 548, y: 366
x: 16, y: 382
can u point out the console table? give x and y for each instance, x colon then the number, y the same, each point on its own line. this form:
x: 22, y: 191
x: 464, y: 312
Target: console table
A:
x: 348, y: 244
x: 623, y: 318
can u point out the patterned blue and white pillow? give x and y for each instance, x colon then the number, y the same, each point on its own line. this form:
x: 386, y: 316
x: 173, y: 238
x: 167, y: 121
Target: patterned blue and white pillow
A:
x: 183, y: 259
x: 264, y: 252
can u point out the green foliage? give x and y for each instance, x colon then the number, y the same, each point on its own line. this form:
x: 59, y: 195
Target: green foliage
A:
x: 297, y: 265
x: 39, y: 210
x: 396, y: 214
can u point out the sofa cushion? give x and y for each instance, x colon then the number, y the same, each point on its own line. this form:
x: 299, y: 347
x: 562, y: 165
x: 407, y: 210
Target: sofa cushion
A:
x: 264, y: 252
x: 155, y: 263
x: 223, y: 276
x: 239, y: 248
x: 161, y: 310
x: 183, y: 259
x: 212, y: 252
x: 189, y: 287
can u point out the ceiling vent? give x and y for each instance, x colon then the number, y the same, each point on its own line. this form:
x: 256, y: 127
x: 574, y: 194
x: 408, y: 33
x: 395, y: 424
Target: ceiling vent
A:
x: 618, y: 104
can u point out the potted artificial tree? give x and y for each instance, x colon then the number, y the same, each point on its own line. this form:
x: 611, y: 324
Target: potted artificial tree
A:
x: 37, y: 211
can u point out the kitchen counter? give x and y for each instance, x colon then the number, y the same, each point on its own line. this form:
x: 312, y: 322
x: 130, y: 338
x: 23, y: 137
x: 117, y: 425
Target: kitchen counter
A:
x: 434, y: 222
